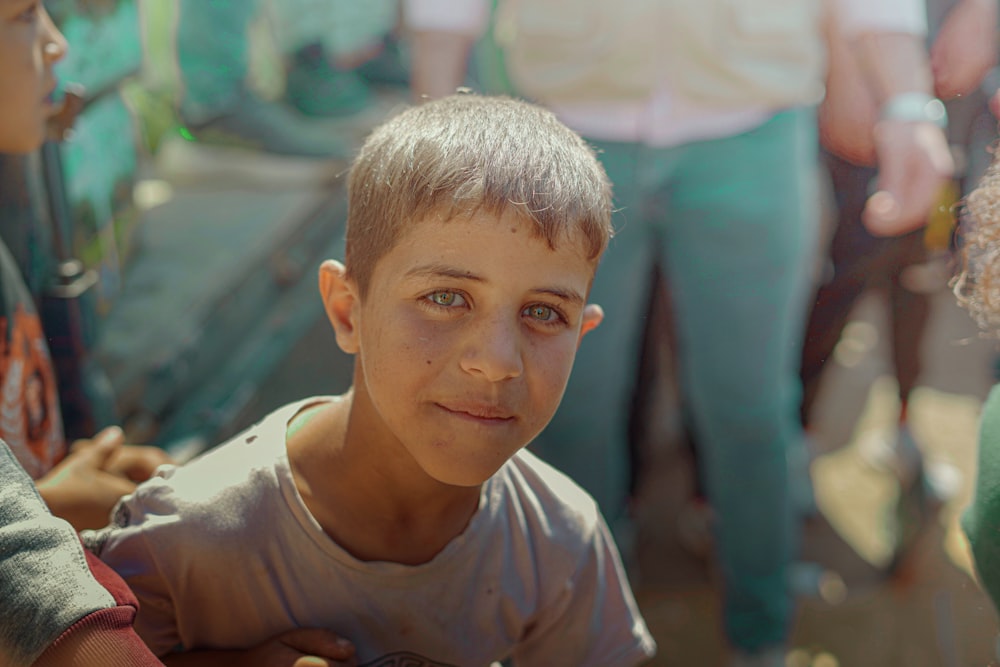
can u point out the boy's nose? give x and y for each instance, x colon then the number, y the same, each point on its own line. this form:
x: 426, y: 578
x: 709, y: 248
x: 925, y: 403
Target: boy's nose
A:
x: 493, y: 351
x: 56, y: 46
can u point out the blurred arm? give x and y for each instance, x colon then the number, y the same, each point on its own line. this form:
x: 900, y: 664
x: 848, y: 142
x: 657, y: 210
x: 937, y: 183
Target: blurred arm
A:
x: 442, y: 34
x: 965, y: 49
x: 439, y: 62
x: 912, y: 152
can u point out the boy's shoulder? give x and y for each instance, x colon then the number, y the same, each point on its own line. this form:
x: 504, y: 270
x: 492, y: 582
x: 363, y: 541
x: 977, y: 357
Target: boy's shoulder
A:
x: 546, y: 498
x: 228, y: 481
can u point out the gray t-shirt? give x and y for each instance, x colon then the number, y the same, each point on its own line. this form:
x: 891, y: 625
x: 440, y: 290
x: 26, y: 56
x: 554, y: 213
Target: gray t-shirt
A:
x: 45, y: 583
x: 223, y: 553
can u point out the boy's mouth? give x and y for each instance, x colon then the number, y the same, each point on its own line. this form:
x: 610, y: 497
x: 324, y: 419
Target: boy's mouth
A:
x: 478, y: 410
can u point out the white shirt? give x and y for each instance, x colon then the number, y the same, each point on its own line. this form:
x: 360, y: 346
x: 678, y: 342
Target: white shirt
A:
x: 665, y: 119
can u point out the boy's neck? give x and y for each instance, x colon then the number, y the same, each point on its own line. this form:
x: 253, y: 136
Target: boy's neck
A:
x: 377, y: 507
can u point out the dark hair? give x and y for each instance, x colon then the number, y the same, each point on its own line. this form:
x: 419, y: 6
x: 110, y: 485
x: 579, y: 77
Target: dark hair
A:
x: 467, y: 153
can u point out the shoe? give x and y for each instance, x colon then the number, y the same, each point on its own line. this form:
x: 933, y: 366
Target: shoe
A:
x: 268, y: 127
x: 259, y: 143
x: 897, y: 454
x: 771, y: 657
x: 315, y: 88
x: 812, y: 580
x: 924, y: 489
x: 182, y: 162
x: 917, y: 509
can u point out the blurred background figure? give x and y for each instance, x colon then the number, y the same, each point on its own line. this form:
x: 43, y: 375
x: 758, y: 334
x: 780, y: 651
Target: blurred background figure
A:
x: 325, y: 43
x: 703, y: 114
x: 232, y: 95
x: 909, y: 268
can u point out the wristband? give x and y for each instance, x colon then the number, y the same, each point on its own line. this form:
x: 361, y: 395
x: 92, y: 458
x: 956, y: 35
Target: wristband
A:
x: 916, y: 107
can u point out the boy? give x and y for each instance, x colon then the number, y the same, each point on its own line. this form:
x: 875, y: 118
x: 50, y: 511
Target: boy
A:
x: 404, y: 515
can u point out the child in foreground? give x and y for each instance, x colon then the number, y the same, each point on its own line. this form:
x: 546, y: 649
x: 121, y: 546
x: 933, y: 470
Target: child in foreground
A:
x: 405, y: 515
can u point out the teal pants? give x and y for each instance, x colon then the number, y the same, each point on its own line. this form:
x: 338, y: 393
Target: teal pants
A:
x: 734, y: 223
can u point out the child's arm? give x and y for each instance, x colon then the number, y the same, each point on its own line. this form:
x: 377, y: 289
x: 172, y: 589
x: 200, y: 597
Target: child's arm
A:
x: 45, y: 583
x: 104, y: 638
x: 294, y: 648
x: 965, y: 49
x: 442, y: 36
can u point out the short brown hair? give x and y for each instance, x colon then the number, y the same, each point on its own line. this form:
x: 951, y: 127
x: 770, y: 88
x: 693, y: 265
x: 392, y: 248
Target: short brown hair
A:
x: 466, y: 153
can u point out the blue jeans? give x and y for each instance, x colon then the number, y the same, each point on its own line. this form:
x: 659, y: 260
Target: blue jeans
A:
x: 734, y: 224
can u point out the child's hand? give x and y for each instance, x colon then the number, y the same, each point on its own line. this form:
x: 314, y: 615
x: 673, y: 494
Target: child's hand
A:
x: 914, y: 162
x: 79, y: 489
x: 307, y: 647
x: 133, y: 462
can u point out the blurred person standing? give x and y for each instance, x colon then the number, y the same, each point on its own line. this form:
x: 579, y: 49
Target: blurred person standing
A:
x: 963, y: 49
x: 703, y: 113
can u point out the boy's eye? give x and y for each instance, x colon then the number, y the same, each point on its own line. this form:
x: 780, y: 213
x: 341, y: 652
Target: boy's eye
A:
x: 541, y: 313
x: 446, y: 298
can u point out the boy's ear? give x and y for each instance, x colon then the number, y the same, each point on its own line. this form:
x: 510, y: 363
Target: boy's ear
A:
x: 341, y: 302
x: 592, y: 316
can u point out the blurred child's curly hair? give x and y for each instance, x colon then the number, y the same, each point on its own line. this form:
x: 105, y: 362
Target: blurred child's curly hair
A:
x: 977, y: 285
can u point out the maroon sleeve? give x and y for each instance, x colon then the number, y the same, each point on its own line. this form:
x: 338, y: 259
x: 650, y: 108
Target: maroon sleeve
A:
x: 104, y: 637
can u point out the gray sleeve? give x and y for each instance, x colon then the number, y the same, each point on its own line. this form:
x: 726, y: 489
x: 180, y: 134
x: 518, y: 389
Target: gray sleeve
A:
x: 45, y: 583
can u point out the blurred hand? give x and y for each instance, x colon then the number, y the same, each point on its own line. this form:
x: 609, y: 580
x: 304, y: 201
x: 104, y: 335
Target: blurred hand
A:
x: 965, y: 49
x: 136, y: 463
x: 79, y: 489
x: 84, y: 487
x: 913, y: 164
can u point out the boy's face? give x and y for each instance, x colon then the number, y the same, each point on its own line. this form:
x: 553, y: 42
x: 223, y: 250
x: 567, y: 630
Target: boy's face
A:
x: 29, y: 46
x: 465, y: 341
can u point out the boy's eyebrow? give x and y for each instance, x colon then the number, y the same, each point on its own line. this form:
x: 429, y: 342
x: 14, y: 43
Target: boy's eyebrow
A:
x: 444, y: 271
x: 563, y: 293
